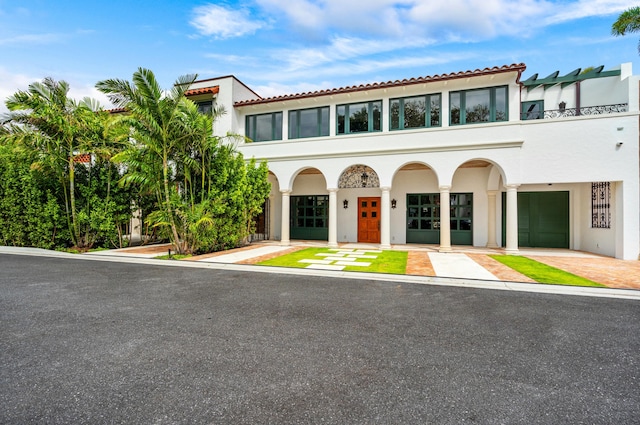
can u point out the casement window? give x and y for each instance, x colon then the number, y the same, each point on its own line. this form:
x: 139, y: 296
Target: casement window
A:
x: 309, y: 123
x: 264, y: 127
x: 478, y: 106
x: 532, y: 110
x: 415, y: 112
x: 359, y: 117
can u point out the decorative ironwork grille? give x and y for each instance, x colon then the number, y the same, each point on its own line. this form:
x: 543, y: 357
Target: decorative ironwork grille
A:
x: 587, y: 110
x: 358, y: 176
x: 601, y: 205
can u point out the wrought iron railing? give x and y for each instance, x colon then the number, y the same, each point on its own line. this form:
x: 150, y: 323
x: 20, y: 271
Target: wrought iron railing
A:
x: 586, y: 110
x: 573, y: 112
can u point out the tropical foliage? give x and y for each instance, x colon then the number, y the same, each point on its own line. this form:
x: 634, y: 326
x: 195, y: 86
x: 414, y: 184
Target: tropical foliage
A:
x: 206, y: 196
x: 71, y: 174
x: 628, y: 21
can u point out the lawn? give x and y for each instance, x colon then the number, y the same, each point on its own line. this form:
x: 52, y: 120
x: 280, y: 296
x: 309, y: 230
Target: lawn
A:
x: 543, y: 273
x: 394, y: 262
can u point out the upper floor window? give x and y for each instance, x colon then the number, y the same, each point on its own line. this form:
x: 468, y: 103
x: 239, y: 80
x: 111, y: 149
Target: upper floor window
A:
x: 415, y: 112
x: 264, y: 127
x: 205, y: 107
x: 477, y: 106
x: 309, y: 123
x: 533, y: 110
x: 359, y: 117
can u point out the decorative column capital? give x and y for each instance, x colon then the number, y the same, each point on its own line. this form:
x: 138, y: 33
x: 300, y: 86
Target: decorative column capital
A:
x: 512, y: 187
x: 445, y: 188
x: 385, y: 188
x: 332, y: 189
x: 285, y: 191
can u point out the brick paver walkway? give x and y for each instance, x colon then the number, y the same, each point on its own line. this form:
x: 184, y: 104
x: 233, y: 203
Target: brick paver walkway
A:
x: 611, y: 272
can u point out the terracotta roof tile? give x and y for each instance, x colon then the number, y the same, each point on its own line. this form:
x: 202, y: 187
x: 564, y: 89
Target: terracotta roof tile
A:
x: 519, y: 68
x: 205, y: 90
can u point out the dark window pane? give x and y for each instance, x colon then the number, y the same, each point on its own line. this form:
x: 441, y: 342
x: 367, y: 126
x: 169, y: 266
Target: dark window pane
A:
x: 358, y: 118
x: 300, y: 222
x: 377, y: 116
x: 454, y: 224
x: 394, y: 107
x: 324, y: 121
x: 413, y: 200
x: 309, y: 222
x: 309, y: 123
x: 501, y: 103
x: 412, y: 224
x: 364, y: 214
x: 465, y: 224
x: 320, y: 222
x: 374, y: 204
x: 277, y: 131
x: 455, y: 106
x: 364, y: 204
x: 414, y: 112
x: 478, y: 106
x: 300, y: 212
x: 374, y: 214
x: 435, y: 110
x: 340, y: 111
x: 293, y: 124
x: 413, y: 212
x: 309, y: 212
x: 425, y: 224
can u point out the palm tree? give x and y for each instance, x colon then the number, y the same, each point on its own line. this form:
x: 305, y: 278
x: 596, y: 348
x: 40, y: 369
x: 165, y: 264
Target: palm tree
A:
x: 57, y: 127
x: 156, y: 120
x: 628, y: 21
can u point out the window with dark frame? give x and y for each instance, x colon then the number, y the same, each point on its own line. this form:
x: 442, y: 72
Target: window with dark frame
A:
x: 312, y: 122
x: 264, y: 127
x: 478, y: 106
x: 359, y: 117
x: 415, y: 112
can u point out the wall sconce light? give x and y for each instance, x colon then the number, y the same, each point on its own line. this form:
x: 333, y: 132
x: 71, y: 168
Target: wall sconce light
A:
x: 394, y: 203
x: 365, y: 178
x: 562, y: 106
x: 345, y: 204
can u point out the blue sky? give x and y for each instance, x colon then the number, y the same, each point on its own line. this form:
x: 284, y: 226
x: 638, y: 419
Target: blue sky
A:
x: 290, y: 46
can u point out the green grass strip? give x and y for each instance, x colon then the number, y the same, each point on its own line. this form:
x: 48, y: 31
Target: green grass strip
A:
x: 543, y: 273
x: 394, y: 262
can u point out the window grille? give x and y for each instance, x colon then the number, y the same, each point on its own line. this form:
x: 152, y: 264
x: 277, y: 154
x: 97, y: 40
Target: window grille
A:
x: 601, y: 205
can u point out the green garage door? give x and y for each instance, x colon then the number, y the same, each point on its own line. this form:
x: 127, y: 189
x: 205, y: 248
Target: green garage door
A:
x: 543, y: 219
x: 309, y: 217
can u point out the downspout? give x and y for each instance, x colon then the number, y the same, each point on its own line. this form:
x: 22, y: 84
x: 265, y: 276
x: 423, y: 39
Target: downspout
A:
x: 577, y: 98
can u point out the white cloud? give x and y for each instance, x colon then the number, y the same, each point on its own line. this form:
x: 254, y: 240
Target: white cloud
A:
x: 32, y: 39
x: 13, y: 82
x: 221, y: 22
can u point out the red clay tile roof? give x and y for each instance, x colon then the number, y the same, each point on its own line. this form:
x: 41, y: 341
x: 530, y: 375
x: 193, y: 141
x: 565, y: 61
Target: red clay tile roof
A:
x: 205, y: 90
x: 83, y: 158
x: 519, y: 68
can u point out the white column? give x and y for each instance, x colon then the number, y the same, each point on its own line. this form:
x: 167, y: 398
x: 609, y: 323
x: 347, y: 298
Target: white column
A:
x: 333, y: 218
x: 284, y: 238
x: 512, y: 219
x: 445, y: 219
x: 385, y: 219
x: 491, y: 225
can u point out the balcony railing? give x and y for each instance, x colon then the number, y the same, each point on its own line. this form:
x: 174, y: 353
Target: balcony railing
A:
x: 573, y: 112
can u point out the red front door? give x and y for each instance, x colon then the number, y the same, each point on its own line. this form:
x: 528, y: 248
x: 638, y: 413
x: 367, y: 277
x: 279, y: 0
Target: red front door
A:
x: 369, y: 220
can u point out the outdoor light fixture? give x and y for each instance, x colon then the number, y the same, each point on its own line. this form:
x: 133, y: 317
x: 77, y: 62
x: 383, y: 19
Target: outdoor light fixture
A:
x: 393, y: 203
x: 562, y: 106
x: 345, y: 204
x: 365, y: 178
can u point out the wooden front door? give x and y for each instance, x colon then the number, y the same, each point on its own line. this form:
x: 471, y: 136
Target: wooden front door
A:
x: 369, y: 220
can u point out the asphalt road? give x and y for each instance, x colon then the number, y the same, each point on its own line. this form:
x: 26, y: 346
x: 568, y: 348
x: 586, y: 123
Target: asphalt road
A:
x: 91, y: 342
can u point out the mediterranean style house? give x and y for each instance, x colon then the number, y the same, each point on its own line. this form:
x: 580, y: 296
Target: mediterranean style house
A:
x: 481, y: 158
